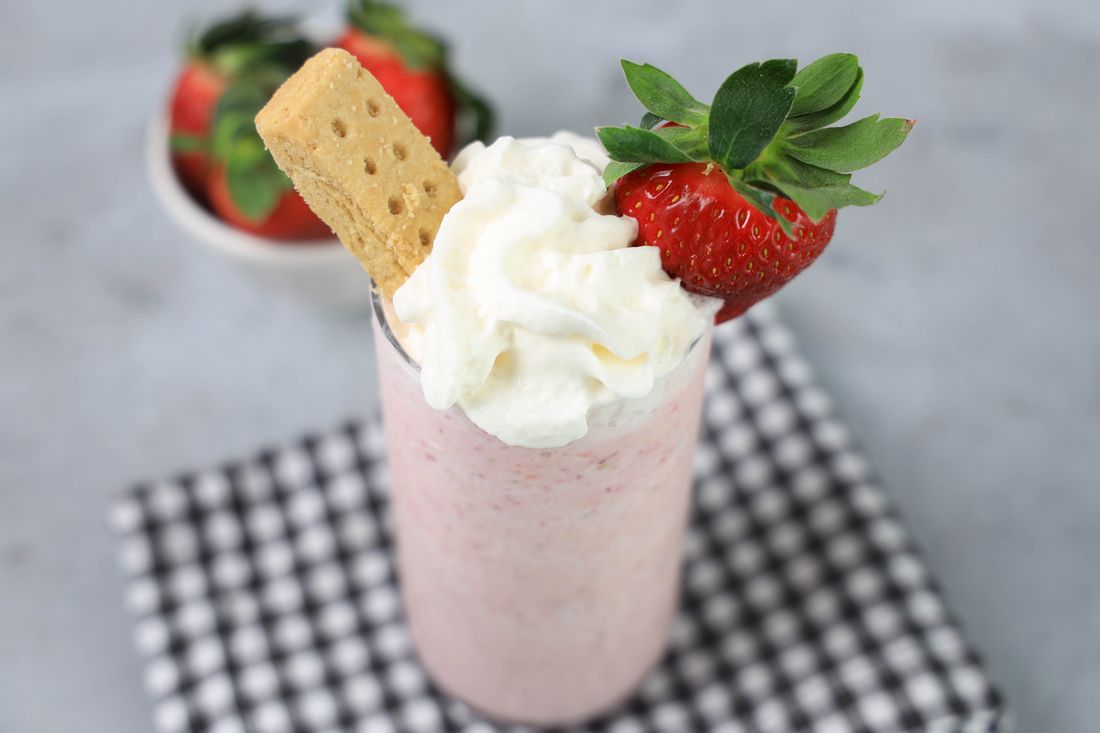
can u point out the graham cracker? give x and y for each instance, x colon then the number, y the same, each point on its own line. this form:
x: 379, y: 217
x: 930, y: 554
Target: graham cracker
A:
x: 360, y: 164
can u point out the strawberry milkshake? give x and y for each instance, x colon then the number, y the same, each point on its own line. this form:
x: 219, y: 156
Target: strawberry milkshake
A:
x: 543, y: 317
x: 539, y: 584
x: 539, y: 513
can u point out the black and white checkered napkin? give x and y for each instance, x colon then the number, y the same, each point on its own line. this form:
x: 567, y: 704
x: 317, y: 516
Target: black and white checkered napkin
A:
x: 265, y: 594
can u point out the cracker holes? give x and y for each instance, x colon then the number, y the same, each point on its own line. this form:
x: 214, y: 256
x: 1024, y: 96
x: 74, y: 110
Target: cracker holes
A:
x: 399, y: 151
x: 429, y: 188
x: 370, y: 166
x: 339, y: 128
x: 372, y: 108
x: 425, y: 237
x: 396, y: 205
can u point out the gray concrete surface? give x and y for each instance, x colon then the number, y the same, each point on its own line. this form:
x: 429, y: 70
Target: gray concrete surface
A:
x: 957, y: 322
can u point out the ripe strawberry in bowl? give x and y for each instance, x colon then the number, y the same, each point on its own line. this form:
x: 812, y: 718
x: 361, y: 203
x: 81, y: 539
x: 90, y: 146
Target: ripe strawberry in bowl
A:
x: 232, y: 69
x: 244, y: 186
x: 413, y: 66
x: 213, y: 176
x: 192, y: 109
x: 245, y: 45
x: 740, y: 195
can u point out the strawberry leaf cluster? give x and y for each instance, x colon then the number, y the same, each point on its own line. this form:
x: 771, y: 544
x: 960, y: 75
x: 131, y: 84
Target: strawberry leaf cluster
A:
x: 255, y: 182
x: 253, y: 54
x: 767, y: 129
x: 250, y: 43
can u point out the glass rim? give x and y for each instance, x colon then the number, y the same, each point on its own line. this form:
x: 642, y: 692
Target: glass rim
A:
x: 384, y: 324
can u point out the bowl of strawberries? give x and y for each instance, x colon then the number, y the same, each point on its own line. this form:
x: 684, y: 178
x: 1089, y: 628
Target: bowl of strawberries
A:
x: 211, y: 172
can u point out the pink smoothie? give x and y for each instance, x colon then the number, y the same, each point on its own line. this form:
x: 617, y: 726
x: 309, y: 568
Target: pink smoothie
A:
x: 539, y: 585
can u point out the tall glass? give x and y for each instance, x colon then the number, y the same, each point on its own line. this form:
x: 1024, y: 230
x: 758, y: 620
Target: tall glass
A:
x: 539, y: 585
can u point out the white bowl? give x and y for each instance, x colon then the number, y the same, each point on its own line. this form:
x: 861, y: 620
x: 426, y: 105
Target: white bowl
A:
x: 321, y: 273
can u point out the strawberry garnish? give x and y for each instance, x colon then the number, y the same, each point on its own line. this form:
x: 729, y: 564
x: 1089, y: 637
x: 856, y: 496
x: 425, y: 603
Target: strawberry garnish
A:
x: 242, y: 46
x: 413, y: 67
x: 741, y: 195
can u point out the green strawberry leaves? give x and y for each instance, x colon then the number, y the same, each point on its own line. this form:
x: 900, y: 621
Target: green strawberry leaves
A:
x: 691, y: 141
x: 638, y: 146
x: 617, y: 169
x: 817, y: 201
x: 254, y: 54
x: 245, y: 27
x: 829, y: 115
x: 782, y: 167
x: 250, y: 43
x: 641, y: 146
x: 823, y: 83
x: 255, y: 183
x: 852, y: 147
x: 759, y: 197
x: 239, y: 59
x: 663, y: 96
x: 748, y: 110
x: 649, y: 121
x: 767, y: 128
x: 255, y: 195
x: 181, y: 142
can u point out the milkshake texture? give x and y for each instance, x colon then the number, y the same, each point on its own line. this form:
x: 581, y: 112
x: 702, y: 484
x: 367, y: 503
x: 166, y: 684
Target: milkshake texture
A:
x: 542, y: 398
x: 539, y: 585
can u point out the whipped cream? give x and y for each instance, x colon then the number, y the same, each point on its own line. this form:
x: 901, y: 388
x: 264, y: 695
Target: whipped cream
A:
x: 533, y: 308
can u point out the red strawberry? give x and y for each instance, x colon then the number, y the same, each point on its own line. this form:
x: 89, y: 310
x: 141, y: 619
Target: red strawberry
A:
x: 190, y: 111
x: 289, y: 219
x: 714, y: 240
x: 412, y: 66
x: 233, y: 68
x: 246, y: 45
x: 741, y: 195
x: 423, y: 95
x: 246, y: 188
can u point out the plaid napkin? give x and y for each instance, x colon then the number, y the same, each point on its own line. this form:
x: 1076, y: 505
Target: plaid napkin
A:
x: 265, y: 598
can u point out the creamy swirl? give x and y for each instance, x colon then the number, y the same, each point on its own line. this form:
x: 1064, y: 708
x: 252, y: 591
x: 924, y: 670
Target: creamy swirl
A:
x: 533, y: 308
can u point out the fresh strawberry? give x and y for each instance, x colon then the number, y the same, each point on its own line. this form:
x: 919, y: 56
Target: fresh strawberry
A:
x: 243, y: 46
x: 741, y: 195
x: 289, y: 219
x: 423, y: 95
x: 246, y: 188
x: 412, y: 66
x: 713, y: 239
x: 191, y: 109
